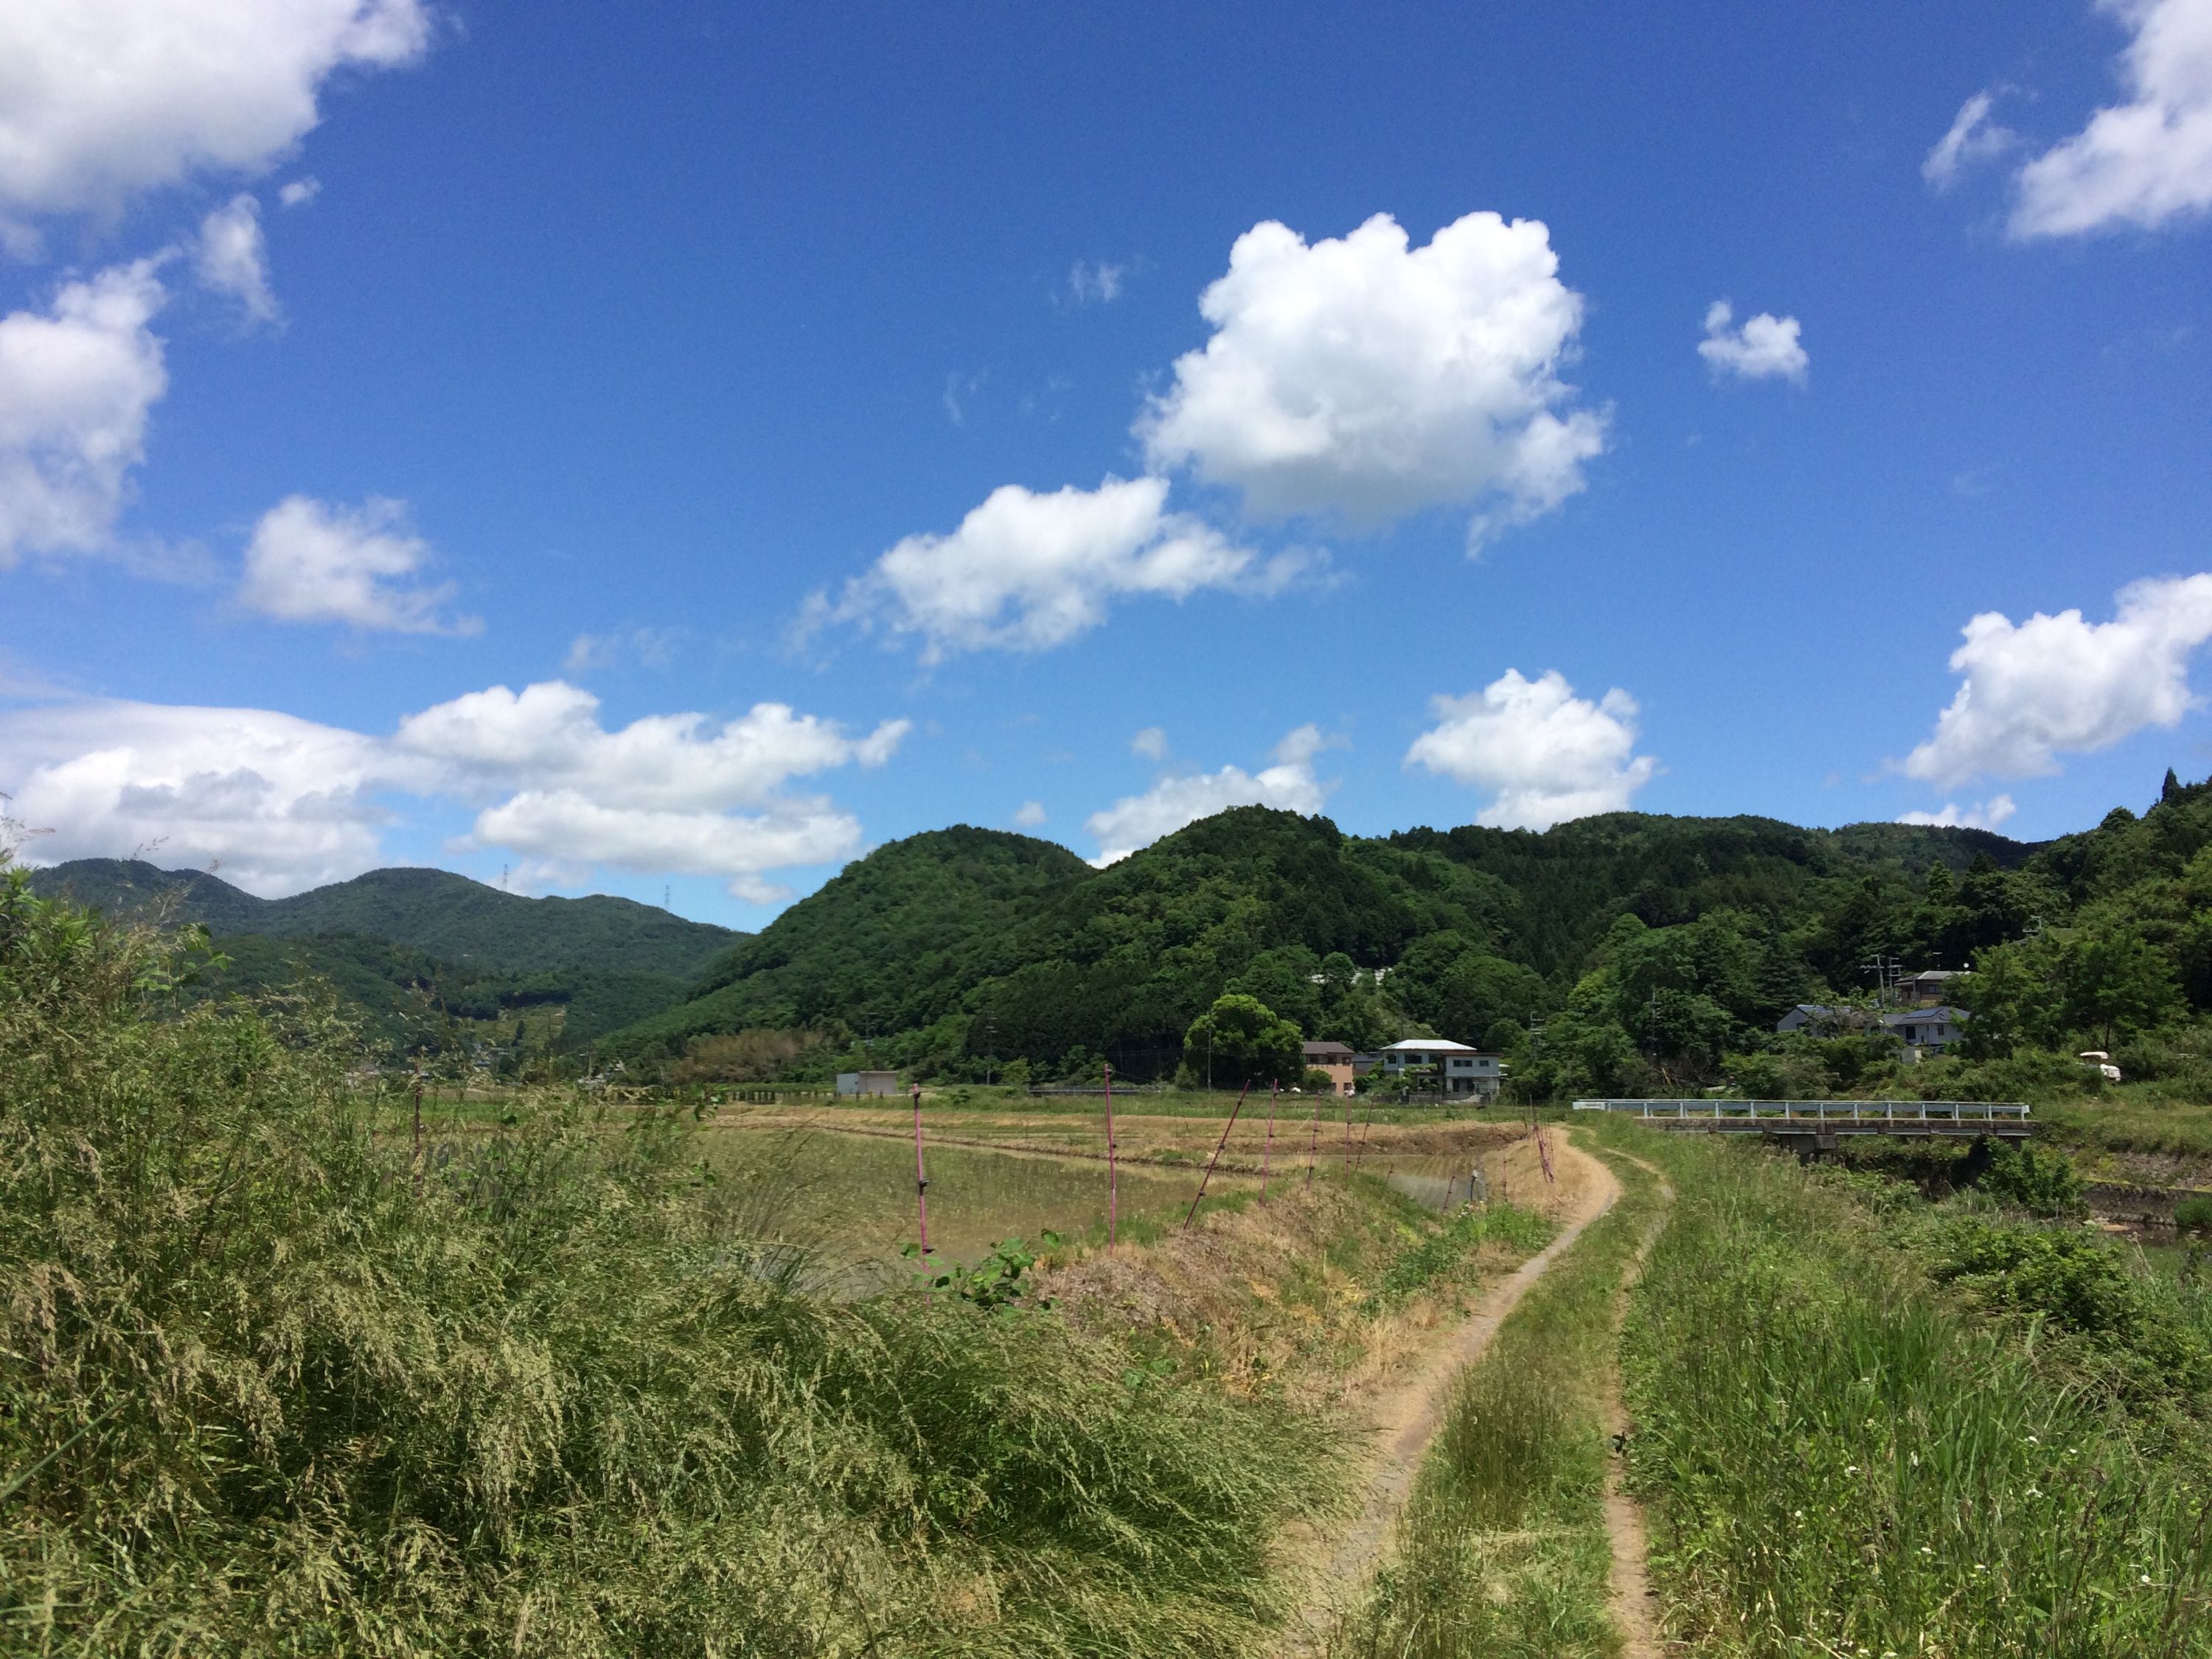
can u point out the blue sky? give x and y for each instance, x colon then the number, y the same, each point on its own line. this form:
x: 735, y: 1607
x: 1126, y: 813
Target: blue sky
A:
x: 372, y: 361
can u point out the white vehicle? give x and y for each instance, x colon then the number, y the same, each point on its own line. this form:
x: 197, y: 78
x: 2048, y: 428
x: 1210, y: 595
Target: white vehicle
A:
x: 2102, y: 1062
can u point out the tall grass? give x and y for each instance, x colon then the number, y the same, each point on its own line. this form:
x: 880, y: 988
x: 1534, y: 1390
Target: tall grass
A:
x: 1502, y: 1552
x: 1840, y: 1458
x: 268, y: 1388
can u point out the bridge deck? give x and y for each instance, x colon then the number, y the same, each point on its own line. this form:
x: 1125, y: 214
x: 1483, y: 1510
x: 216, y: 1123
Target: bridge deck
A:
x: 1796, y: 1119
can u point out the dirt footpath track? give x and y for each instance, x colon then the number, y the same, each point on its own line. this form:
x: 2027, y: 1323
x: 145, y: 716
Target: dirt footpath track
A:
x: 1408, y: 1414
x: 1634, y: 1613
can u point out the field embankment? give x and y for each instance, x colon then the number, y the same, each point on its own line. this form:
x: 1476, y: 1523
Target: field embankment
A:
x: 1504, y: 1547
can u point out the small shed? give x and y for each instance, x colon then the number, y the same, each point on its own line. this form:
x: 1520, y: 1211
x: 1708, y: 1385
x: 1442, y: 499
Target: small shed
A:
x: 867, y: 1083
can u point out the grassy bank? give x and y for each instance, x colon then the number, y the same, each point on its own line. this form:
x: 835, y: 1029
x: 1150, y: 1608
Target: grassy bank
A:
x: 1865, y: 1427
x: 1502, y: 1550
x: 267, y: 1387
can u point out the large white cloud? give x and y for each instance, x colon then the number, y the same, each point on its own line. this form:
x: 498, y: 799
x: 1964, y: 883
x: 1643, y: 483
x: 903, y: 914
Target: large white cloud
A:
x: 311, y: 562
x: 1026, y: 570
x: 1548, y: 755
x: 1765, y: 347
x: 2058, y: 685
x: 548, y: 736
x: 284, y: 803
x: 102, y: 99
x: 2145, y: 162
x: 1136, y: 821
x: 276, y: 803
x: 77, y: 381
x: 1364, y: 379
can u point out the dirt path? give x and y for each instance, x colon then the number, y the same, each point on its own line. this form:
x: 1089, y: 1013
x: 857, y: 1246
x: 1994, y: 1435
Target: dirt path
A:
x: 1407, y: 1415
x: 1634, y: 1613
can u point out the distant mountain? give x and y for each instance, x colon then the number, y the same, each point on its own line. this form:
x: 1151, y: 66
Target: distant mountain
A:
x: 416, y: 949
x: 945, y: 947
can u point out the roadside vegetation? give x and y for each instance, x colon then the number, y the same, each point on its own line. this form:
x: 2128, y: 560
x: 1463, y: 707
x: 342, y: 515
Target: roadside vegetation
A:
x: 1867, y: 1424
x: 268, y: 1385
x: 1502, y: 1550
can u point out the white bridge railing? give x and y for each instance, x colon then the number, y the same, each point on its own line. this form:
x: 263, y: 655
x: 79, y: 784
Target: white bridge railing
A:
x: 1821, y: 1111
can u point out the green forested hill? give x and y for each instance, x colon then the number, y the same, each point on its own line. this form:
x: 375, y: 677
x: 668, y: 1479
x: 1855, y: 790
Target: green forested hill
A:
x: 422, y: 954
x: 1642, y: 942
x: 890, y: 945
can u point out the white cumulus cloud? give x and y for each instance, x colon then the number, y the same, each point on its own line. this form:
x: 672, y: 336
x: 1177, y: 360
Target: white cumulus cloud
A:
x: 231, y: 257
x: 282, y: 804
x: 1136, y: 821
x: 1364, y: 379
x: 2058, y: 685
x: 2145, y: 162
x: 1152, y: 742
x: 312, y: 561
x: 102, y: 99
x: 1982, y: 815
x: 1026, y: 570
x: 547, y: 736
x: 76, y: 382
x: 1974, y: 136
x: 1030, y: 814
x: 1765, y: 347
x: 300, y: 191
x: 1547, y: 755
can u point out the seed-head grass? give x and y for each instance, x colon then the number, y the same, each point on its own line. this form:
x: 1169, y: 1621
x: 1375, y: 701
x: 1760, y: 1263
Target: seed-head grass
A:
x: 1837, y: 1455
x: 268, y: 1385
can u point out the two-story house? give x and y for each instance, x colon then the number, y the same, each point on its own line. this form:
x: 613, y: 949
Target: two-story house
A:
x: 1460, y: 1070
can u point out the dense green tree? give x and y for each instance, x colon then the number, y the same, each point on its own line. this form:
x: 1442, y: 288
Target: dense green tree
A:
x: 1241, y: 1040
x: 2116, y: 983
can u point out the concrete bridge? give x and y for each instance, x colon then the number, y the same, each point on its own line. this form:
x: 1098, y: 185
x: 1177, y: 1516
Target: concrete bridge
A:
x: 1814, y: 1126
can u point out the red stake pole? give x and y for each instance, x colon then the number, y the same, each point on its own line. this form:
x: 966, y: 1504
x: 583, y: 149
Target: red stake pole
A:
x: 1313, y: 1141
x: 1112, y: 1195
x: 921, y: 1175
x: 1267, y: 1156
x: 1216, y: 1158
x: 1363, y: 1127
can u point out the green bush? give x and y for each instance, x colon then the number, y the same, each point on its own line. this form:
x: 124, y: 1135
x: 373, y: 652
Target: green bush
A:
x: 2042, y: 1182
x: 2194, y: 1215
x: 2076, y: 1283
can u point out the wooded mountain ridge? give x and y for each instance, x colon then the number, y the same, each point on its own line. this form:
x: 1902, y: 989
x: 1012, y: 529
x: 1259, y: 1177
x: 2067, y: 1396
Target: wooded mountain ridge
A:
x: 423, y: 957
x: 954, y: 952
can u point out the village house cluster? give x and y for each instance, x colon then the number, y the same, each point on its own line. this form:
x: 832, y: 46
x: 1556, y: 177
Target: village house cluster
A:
x: 1449, y: 1068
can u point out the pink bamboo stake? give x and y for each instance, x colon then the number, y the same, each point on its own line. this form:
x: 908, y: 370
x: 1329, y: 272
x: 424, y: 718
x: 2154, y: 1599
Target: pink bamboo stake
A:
x: 1112, y: 1194
x: 1216, y: 1158
x: 921, y: 1175
x: 1313, y: 1141
x: 1364, y: 1129
x: 1267, y: 1155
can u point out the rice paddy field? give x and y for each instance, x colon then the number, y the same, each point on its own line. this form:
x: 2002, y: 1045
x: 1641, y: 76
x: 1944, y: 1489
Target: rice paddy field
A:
x: 840, y: 1182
